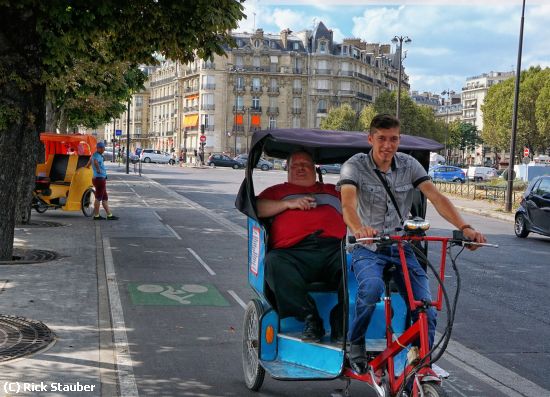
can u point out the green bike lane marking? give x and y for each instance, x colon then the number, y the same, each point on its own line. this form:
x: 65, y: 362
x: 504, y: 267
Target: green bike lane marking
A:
x: 169, y: 294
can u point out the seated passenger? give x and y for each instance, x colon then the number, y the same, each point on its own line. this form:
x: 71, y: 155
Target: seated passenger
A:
x: 304, y: 240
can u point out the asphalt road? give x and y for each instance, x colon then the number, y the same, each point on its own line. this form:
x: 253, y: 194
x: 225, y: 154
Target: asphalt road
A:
x: 500, y: 339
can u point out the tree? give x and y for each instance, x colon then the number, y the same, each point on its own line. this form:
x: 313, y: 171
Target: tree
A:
x: 366, y: 116
x: 463, y: 136
x: 40, y: 40
x: 342, y: 118
x: 533, y: 114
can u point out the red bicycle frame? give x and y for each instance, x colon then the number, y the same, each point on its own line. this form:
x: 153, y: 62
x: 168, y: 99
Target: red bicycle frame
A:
x: 416, y: 332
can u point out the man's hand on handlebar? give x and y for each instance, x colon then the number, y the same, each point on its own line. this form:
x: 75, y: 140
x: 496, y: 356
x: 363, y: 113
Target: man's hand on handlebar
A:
x: 365, y: 232
x: 475, y: 236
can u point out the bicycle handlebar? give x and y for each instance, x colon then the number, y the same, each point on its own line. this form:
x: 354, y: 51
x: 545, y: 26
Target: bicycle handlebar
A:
x: 458, y: 239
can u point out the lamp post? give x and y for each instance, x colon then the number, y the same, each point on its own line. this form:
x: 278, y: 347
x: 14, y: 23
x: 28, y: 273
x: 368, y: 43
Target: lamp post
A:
x: 449, y: 94
x: 400, y: 40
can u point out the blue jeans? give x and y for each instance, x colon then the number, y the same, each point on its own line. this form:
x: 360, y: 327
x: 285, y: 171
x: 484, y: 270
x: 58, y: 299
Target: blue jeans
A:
x: 368, y: 267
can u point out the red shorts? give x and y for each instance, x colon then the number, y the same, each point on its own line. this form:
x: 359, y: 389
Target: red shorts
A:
x: 100, y: 185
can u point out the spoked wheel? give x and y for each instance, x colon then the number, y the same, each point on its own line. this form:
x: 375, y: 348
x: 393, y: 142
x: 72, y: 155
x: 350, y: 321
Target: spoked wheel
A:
x: 253, y: 371
x: 433, y: 390
x: 86, y: 202
x: 519, y: 226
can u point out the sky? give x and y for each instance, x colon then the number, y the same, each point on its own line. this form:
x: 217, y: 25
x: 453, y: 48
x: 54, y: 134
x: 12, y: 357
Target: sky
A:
x: 451, y: 40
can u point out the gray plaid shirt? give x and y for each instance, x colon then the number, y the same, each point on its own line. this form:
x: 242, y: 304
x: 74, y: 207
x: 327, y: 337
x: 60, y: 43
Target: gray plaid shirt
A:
x: 375, y: 208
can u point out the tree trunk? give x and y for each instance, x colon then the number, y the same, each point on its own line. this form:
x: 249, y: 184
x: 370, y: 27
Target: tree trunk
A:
x: 52, y: 117
x: 21, y: 116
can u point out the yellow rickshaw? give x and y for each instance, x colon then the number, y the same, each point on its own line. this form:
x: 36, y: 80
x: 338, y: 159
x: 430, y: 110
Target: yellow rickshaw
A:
x: 63, y: 180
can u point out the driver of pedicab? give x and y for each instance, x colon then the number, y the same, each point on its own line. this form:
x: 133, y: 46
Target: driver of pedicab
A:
x: 305, y: 236
x: 368, y: 211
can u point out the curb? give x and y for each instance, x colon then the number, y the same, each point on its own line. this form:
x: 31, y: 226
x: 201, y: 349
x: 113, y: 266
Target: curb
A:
x: 487, y: 213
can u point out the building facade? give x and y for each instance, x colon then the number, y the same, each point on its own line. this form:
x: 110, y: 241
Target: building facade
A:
x: 285, y: 80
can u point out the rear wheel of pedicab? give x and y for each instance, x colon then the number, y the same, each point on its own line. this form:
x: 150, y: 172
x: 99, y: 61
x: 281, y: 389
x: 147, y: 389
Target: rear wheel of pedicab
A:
x: 433, y: 390
x: 86, y: 202
x: 253, y: 371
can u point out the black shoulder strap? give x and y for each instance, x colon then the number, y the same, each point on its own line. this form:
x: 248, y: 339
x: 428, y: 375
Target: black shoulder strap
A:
x: 388, y: 190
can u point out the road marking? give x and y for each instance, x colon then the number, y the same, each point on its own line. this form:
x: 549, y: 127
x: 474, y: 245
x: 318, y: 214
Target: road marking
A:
x: 145, y: 202
x: 164, y: 294
x: 197, y: 257
x: 157, y: 215
x: 237, y: 298
x: 126, y: 379
x: 173, y: 231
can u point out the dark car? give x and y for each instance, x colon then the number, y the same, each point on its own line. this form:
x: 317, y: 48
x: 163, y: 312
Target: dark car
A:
x: 222, y: 160
x: 447, y: 173
x: 533, y: 214
x: 263, y: 164
x: 330, y: 168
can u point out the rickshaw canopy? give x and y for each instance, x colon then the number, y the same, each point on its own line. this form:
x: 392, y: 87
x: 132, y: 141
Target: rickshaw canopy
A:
x: 325, y: 146
x: 83, y: 145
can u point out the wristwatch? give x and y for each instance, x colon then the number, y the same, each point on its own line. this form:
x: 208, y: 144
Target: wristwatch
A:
x: 466, y: 226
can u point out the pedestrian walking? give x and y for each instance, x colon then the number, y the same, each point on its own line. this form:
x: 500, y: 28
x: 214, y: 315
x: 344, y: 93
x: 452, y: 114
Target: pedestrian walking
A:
x: 99, y: 180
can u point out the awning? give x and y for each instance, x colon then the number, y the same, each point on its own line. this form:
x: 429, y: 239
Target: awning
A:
x: 239, y: 119
x: 191, y: 120
x: 255, y: 119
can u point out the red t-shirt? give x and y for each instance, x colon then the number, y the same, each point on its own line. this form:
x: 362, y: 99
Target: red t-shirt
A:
x: 292, y: 226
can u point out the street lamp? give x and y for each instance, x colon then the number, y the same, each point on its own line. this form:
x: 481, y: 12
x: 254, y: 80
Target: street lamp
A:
x: 400, y: 40
x: 449, y: 94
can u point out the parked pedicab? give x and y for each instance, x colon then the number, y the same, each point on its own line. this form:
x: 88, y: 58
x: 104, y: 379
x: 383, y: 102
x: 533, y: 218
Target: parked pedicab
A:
x: 63, y: 181
x: 273, y: 345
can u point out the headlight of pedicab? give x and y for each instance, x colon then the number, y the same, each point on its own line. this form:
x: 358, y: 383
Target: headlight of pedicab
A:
x: 416, y: 225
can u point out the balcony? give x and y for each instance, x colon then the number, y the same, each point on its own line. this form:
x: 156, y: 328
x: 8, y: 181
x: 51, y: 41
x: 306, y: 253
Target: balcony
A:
x: 238, y: 109
x: 368, y: 97
x: 366, y: 78
x: 189, y: 90
x: 208, y: 106
x: 238, y: 89
x: 321, y: 91
x: 208, y: 86
x: 161, y: 99
x: 273, y: 111
x: 162, y: 81
x: 273, y: 91
x: 346, y: 93
x: 325, y: 72
x: 208, y: 65
x: 346, y: 73
x: 209, y: 128
x: 323, y: 111
x: 296, y: 110
x: 238, y: 128
x: 256, y: 109
x: 256, y: 88
x: 194, y: 108
x: 297, y: 91
x: 298, y: 70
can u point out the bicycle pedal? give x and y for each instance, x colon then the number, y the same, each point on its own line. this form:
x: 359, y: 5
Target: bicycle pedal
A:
x: 413, y: 355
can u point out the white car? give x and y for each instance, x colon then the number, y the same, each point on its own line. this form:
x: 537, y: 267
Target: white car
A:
x: 156, y: 156
x: 479, y: 174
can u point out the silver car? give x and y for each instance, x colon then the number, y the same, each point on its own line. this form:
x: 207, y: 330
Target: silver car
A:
x: 156, y: 156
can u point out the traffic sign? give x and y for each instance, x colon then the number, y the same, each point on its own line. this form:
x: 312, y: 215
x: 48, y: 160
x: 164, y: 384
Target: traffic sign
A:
x: 203, y: 138
x: 525, y: 152
x: 118, y: 132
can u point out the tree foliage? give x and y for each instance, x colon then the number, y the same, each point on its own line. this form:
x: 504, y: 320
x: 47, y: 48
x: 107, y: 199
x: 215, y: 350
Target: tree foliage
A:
x: 533, y: 118
x: 40, y: 41
x: 342, y: 118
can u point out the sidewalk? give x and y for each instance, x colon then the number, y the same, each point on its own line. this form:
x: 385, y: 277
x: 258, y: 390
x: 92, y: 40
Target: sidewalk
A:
x: 69, y: 294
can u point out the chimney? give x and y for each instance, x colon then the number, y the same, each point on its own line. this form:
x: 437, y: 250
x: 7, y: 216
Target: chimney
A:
x: 284, y: 36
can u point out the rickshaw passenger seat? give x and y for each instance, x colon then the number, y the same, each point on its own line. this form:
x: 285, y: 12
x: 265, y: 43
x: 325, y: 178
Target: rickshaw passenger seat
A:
x: 82, y: 161
x: 58, y: 169
x: 319, y: 286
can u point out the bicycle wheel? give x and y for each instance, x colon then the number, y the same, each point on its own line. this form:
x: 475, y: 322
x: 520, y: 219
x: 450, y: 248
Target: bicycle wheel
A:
x: 253, y: 371
x: 433, y: 390
x: 86, y: 203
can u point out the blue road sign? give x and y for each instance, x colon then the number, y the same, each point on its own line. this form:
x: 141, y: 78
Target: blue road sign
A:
x: 118, y: 132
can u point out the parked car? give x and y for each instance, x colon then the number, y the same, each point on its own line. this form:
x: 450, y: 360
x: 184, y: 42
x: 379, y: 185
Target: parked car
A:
x: 283, y: 164
x: 533, y: 214
x: 223, y: 160
x: 478, y: 174
x: 263, y: 164
x: 330, y: 168
x: 447, y: 173
x: 156, y: 156
x: 108, y: 155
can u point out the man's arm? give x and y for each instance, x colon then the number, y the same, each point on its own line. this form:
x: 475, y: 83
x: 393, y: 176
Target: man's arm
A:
x: 447, y: 210
x: 268, y: 208
x: 348, y: 193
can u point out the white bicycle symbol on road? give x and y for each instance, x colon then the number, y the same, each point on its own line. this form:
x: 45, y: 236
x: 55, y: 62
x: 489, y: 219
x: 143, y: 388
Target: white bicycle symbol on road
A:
x: 189, y: 290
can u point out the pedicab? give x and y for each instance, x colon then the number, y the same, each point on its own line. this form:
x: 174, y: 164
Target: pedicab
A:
x: 399, y: 357
x: 63, y: 181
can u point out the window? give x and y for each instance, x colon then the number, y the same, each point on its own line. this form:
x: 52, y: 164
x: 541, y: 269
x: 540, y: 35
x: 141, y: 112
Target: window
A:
x: 256, y: 62
x: 344, y: 66
x: 295, y: 122
x: 239, y: 61
x: 256, y: 83
x: 256, y: 102
x: 322, y: 106
x: 273, y: 83
x: 257, y: 43
x: 139, y: 100
x: 239, y: 82
x: 240, y: 102
x: 274, y: 59
x: 322, y: 84
x: 544, y: 187
x: 322, y: 47
x: 345, y: 85
x: 207, y: 101
x: 296, y: 45
x: 298, y: 64
x: 296, y: 103
x: 297, y: 83
x: 322, y: 64
x: 272, y: 122
x: 345, y: 50
x: 273, y: 102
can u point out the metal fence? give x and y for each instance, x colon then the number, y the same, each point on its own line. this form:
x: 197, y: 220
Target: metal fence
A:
x: 478, y: 191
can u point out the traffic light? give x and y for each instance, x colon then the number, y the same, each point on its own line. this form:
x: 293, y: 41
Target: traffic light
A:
x: 203, y: 144
x: 202, y: 129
